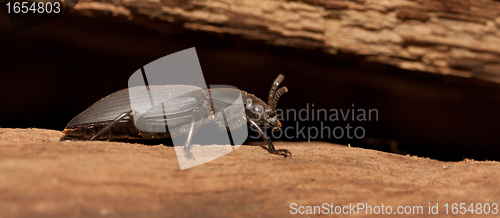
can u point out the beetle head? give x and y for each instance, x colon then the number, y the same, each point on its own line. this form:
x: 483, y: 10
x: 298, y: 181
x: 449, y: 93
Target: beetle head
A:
x: 261, y: 113
x: 265, y: 114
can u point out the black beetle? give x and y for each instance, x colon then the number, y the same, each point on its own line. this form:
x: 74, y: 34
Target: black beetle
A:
x: 112, y: 117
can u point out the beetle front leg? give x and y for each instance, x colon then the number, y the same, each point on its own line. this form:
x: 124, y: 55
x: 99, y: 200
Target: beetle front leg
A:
x: 270, y: 145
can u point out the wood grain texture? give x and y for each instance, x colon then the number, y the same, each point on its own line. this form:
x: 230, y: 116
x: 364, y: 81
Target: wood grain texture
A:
x: 452, y: 37
x: 42, y: 177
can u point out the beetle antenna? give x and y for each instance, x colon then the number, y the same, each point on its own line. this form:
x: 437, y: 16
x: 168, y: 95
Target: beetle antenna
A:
x: 275, y: 86
x: 277, y: 96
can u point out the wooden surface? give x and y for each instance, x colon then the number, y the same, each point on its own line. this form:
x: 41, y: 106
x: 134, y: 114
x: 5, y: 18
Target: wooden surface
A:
x: 453, y: 37
x: 42, y: 177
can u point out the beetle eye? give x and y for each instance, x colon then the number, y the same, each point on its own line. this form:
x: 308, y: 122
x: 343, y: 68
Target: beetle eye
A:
x: 257, y: 109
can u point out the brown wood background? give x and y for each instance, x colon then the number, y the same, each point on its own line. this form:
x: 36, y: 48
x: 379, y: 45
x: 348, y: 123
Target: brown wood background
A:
x: 452, y: 37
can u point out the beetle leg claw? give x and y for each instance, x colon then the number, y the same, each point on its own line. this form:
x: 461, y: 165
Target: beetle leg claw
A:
x: 283, y: 152
x: 188, y: 153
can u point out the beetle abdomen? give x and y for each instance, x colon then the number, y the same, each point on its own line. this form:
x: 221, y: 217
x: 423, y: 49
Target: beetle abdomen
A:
x: 106, y: 109
x: 111, y: 106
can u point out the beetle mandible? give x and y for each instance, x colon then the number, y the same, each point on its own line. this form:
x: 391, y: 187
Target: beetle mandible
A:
x: 112, y: 117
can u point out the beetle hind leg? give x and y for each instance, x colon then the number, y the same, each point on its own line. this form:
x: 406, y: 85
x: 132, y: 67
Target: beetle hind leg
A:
x: 109, y: 126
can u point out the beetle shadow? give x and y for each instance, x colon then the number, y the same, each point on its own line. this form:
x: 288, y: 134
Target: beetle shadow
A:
x: 150, y: 142
x: 206, y: 135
